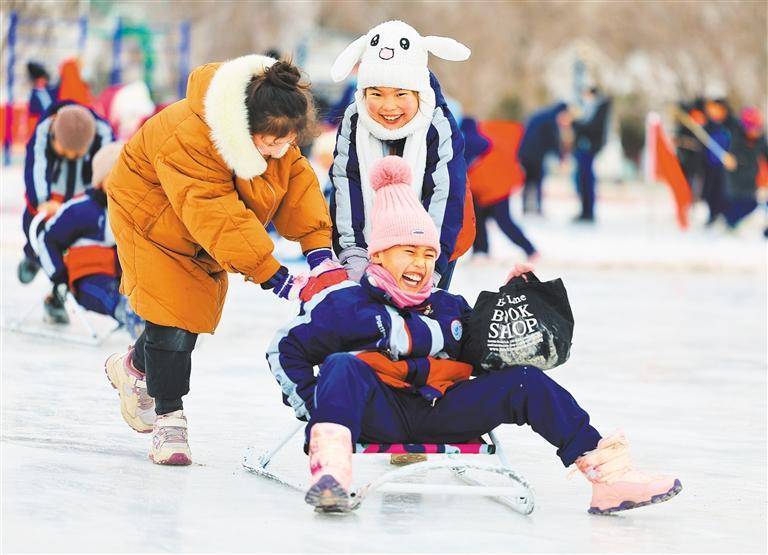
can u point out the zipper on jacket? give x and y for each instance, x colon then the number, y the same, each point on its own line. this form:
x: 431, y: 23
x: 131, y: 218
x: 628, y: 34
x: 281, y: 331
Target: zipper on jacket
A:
x: 274, y: 205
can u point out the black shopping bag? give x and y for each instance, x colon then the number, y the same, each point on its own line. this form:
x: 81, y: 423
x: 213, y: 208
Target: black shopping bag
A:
x: 524, y: 323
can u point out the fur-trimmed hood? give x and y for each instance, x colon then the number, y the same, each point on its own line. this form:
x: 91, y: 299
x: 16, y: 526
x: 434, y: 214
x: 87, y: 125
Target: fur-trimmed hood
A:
x: 216, y: 93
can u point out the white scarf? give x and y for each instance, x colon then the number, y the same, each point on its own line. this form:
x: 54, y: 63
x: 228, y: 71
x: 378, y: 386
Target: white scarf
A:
x: 369, y: 143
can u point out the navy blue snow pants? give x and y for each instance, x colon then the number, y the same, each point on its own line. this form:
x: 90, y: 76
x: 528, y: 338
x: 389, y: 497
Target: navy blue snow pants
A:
x: 26, y: 221
x: 713, y: 190
x: 98, y: 292
x: 585, y: 183
x: 500, y: 213
x: 738, y: 209
x: 532, y: 189
x: 349, y: 393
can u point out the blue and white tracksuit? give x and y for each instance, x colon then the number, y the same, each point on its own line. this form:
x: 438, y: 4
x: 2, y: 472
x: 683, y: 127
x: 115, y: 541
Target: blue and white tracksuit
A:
x: 347, y: 319
x: 50, y: 176
x: 443, y: 190
x: 41, y: 99
x: 81, y: 225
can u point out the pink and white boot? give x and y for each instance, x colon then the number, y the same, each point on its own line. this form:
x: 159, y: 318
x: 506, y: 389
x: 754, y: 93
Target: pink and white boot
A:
x: 136, y: 406
x: 330, y: 462
x: 616, y: 484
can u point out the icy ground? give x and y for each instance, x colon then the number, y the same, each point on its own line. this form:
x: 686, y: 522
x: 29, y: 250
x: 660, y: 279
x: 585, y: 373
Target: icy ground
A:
x: 670, y: 345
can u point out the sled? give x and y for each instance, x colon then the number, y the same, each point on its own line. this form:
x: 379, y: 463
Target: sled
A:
x: 517, y: 494
x: 87, y: 335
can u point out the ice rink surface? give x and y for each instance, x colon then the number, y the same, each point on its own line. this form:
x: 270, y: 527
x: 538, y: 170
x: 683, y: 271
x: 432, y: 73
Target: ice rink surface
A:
x: 670, y: 345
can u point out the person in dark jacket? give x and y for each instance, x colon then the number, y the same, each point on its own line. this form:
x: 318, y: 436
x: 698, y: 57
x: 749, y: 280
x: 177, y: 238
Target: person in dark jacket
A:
x: 58, y: 166
x: 690, y: 150
x: 590, y: 136
x: 392, y: 371
x: 748, y: 145
x: 492, y: 196
x: 542, y: 136
x: 720, y: 126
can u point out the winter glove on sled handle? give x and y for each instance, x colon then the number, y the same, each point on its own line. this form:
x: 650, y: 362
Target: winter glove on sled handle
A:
x: 521, y: 273
x: 305, y: 286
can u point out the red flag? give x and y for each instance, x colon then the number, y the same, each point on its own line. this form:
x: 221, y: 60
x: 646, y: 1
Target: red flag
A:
x: 662, y: 165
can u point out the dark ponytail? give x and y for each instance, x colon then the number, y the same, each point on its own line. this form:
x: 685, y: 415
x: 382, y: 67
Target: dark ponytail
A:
x: 279, y: 103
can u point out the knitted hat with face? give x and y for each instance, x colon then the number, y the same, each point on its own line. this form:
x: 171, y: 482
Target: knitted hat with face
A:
x: 393, y: 54
x: 74, y: 128
x: 398, y: 217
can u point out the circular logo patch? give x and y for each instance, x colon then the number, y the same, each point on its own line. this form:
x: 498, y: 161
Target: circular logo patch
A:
x: 456, y: 329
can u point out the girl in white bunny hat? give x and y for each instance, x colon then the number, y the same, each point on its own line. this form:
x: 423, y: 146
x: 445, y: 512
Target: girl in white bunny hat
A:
x: 400, y: 110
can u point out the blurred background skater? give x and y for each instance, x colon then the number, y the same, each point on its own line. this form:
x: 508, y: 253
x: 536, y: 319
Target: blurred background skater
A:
x: 58, y: 167
x: 79, y: 253
x: 43, y: 93
x: 492, y: 175
x: 720, y: 124
x: 542, y: 136
x: 748, y: 146
x: 72, y: 86
x: 590, y: 131
x: 690, y: 150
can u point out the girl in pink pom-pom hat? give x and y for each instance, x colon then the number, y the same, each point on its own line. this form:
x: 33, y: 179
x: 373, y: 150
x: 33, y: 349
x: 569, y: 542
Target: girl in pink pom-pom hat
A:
x: 389, y: 351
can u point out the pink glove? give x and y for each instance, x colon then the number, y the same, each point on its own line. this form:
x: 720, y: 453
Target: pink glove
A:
x: 329, y: 272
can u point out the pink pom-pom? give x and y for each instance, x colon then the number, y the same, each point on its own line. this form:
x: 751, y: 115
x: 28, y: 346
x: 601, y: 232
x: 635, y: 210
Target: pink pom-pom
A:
x: 390, y: 170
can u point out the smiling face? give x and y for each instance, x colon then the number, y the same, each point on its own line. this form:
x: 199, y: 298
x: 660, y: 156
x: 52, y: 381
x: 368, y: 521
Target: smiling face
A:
x: 271, y: 146
x: 411, y: 266
x: 392, y: 108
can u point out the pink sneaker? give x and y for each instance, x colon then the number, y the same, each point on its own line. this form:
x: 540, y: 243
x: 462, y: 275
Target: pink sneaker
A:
x: 330, y: 462
x: 170, y: 442
x: 616, y: 485
x: 136, y: 406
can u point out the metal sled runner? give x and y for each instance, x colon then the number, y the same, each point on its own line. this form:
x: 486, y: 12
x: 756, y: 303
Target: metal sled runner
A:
x: 517, y: 494
x: 22, y: 325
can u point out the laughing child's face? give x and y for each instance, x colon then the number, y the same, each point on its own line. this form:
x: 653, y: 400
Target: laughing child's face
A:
x: 411, y: 266
x: 392, y: 108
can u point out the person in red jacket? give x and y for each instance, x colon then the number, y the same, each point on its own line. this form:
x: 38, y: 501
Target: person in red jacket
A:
x: 491, y: 154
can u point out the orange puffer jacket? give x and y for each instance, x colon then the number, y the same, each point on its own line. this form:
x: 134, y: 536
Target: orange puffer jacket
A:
x: 190, y: 197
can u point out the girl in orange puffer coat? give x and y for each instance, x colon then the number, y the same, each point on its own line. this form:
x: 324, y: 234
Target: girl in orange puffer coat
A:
x: 189, y: 200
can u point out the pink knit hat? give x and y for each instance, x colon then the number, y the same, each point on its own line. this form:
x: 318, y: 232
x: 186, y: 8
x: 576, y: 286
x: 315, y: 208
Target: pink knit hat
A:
x: 398, y: 217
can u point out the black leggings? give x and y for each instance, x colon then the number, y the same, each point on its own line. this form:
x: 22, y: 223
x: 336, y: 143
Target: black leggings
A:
x: 164, y: 354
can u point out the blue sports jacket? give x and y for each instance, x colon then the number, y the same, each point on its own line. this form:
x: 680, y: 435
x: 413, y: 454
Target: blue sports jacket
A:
x: 80, y: 222
x: 48, y: 175
x: 353, y: 318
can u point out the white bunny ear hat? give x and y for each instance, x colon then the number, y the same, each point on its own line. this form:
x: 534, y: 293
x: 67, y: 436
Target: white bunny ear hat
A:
x: 393, y: 54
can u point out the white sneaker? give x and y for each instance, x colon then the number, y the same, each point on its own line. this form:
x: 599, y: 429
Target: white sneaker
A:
x: 170, y: 444
x: 136, y: 406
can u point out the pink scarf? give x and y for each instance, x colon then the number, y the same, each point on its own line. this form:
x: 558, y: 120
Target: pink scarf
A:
x: 386, y: 281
